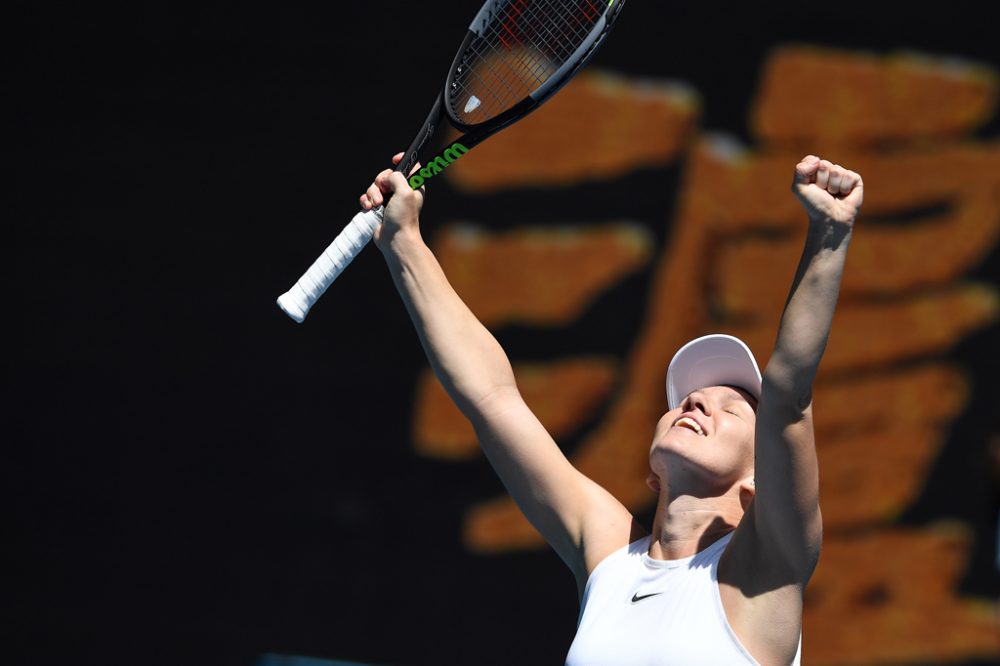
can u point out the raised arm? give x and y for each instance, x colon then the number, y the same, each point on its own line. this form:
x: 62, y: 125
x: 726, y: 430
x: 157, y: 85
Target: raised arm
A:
x: 468, y: 361
x: 786, y: 513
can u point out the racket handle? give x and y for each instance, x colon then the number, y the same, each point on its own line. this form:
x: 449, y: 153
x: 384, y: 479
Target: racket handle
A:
x: 297, y: 301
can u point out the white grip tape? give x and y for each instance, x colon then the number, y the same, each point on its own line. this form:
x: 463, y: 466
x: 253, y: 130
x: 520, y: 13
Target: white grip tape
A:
x: 304, y: 294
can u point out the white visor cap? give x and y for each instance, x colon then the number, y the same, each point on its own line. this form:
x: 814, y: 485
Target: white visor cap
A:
x: 712, y: 360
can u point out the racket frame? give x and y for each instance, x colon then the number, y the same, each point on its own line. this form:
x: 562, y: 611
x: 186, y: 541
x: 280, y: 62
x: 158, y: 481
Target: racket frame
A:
x: 297, y: 301
x: 475, y: 134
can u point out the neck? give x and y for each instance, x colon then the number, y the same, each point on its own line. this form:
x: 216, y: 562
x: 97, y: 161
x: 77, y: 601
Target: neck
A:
x: 685, y: 525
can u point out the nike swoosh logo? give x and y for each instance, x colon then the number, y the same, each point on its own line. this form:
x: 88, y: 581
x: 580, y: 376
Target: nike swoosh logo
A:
x: 636, y: 597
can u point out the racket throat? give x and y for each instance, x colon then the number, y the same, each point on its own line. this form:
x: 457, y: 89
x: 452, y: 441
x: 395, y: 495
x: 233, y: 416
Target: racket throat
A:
x: 473, y: 136
x: 438, y: 164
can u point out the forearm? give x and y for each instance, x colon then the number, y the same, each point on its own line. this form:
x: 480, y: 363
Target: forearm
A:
x: 808, y: 314
x: 467, y: 359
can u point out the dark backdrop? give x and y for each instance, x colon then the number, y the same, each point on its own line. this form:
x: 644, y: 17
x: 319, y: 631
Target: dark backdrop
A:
x: 196, y: 479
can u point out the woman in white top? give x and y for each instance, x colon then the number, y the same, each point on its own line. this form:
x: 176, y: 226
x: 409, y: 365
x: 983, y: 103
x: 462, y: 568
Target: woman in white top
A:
x: 737, y: 529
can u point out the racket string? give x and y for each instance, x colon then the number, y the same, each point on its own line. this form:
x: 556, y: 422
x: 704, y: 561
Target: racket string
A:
x: 522, y: 47
x: 561, y: 46
x: 488, y: 40
x: 519, y: 77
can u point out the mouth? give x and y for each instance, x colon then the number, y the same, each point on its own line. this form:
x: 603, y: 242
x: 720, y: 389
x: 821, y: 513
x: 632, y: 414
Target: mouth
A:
x: 690, y: 424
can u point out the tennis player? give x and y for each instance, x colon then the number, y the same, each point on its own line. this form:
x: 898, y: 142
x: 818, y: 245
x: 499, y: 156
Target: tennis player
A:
x: 737, y: 530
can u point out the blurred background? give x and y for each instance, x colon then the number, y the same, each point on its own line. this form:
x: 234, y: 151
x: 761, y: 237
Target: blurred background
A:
x: 197, y: 479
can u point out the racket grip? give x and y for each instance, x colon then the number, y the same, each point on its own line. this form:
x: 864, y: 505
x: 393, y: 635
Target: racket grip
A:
x: 297, y: 301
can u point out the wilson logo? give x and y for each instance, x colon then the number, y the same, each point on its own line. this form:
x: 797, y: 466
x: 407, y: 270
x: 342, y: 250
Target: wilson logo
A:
x: 438, y: 164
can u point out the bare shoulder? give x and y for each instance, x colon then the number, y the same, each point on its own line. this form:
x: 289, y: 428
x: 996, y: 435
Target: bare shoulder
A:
x: 762, y: 598
x: 608, y: 527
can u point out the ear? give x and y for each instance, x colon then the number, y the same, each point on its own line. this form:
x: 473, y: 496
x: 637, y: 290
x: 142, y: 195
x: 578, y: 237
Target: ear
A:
x: 653, y: 482
x: 747, y: 491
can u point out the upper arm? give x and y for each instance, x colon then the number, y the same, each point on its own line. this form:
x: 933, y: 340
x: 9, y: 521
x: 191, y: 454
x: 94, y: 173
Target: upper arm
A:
x: 579, y: 519
x: 776, y: 546
x: 785, y: 517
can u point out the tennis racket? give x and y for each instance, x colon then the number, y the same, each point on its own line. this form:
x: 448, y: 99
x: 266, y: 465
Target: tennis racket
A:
x: 515, y: 56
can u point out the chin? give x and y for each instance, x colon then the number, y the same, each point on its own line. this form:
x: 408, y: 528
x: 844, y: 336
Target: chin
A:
x: 670, y: 455
x: 660, y: 455
x: 671, y: 446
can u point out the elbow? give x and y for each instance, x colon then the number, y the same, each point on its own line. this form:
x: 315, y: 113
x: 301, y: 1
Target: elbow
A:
x: 496, y: 400
x: 787, y: 392
x: 813, y: 542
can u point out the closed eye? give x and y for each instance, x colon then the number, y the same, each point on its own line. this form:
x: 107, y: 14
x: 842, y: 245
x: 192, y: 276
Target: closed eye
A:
x: 735, y: 412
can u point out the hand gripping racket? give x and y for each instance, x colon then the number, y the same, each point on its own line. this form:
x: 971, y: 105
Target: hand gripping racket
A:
x: 515, y: 56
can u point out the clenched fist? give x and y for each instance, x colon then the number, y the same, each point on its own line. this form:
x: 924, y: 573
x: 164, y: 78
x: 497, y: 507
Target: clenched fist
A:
x: 828, y: 192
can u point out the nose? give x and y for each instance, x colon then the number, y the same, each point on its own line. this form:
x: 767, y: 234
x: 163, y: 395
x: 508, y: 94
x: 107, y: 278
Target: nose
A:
x: 697, y: 400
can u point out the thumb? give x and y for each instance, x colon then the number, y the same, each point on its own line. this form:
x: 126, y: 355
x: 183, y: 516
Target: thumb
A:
x: 398, y: 157
x: 391, y: 182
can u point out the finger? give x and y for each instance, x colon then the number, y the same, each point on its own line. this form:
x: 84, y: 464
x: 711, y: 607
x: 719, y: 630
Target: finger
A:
x: 397, y: 158
x: 402, y: 188
x: 823, y: 174
x: 393, y: 181
x: 382, y: 182
x: 849, y: 180
x: 375, y: 195
x: 857, y: 195
x: 805, y: 170
x: 415, y: 168
x: 836, y: 178
x: 367, y: 199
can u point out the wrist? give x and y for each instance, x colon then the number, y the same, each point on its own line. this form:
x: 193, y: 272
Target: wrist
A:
x: 828, y: 234
x: 398, y: 243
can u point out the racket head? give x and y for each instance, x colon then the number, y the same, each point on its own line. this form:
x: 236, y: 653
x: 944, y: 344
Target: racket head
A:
x: 517, y: 54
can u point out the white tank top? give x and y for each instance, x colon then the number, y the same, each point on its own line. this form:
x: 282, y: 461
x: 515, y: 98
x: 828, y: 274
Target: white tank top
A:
x: 640, y: 611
